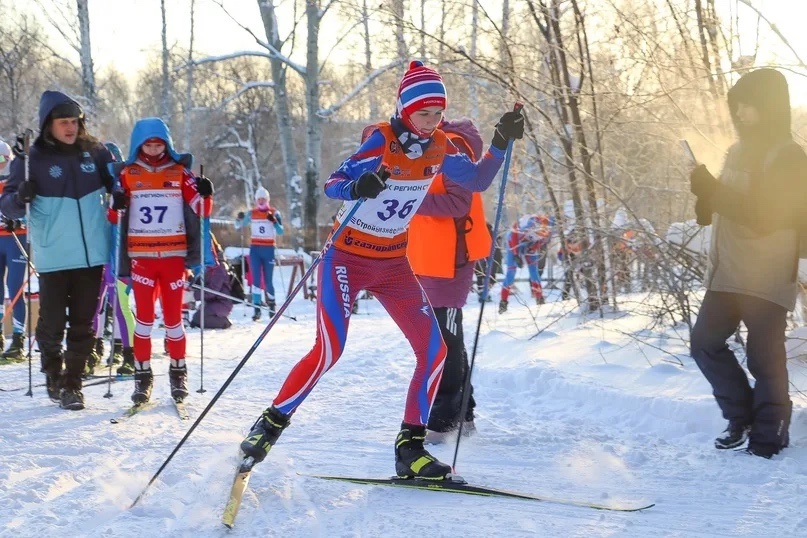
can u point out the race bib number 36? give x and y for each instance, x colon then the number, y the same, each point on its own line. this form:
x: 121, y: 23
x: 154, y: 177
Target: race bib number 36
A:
x: 390, y: 213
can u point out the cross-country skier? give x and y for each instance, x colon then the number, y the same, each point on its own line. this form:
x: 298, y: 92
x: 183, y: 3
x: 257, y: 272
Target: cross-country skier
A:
x: 387, y: 178
x: 161, y: 237
x: 528, y: 241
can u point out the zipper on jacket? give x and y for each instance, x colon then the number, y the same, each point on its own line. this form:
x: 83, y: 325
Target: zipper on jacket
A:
x: 80, y: 215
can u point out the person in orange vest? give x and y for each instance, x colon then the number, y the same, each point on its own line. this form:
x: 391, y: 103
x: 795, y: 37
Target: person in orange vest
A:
x: 527, y: 240
x: 265, y: 224
x: 446, y: 237
x: 575, y: 243
x: 161, y: 238
x: 382, y: 185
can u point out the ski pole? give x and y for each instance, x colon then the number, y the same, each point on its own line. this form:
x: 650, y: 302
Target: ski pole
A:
x: 205, y: 232
x: 466, y: 384
x: 243, y: 263
x: 235, y: 299
x: 113, y: 296
x: 255, y: 345
x: 27, y: 250
x: 24, y: 252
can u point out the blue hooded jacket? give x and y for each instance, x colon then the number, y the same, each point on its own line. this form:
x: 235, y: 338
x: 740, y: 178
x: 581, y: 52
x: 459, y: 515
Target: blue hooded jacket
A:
x: 68, y: 227
x: 155, y: 128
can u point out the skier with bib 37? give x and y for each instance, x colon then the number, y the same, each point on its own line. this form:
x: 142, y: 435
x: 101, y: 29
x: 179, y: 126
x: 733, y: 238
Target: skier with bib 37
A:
x: 161, y: 238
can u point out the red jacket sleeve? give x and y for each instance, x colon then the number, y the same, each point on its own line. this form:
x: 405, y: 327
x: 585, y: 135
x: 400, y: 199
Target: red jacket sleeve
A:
x: 192, y: 198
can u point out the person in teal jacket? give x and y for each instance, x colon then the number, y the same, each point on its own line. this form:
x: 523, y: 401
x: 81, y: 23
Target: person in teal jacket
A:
x: 70, y: 235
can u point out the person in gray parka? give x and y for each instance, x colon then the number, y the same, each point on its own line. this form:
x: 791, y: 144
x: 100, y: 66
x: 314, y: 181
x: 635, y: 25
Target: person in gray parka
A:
x: 758, y: 211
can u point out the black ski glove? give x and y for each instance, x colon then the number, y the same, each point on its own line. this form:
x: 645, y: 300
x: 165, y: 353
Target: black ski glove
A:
x: 26, y: 192
x: 270, y: 216
x: 11, y: 224
x: 370, y: 184
x: 510, y: 127
x: 240, y: 215
x: 19, y: 146
x: 204, y: 187
x: 702, y: 183
x: 119, y: 200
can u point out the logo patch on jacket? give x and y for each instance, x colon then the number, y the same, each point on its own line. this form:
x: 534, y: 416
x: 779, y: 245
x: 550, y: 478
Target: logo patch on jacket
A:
x: 431, y: 170
x: 174, y: 184
x: 88, y: 168
x: 55, y: 171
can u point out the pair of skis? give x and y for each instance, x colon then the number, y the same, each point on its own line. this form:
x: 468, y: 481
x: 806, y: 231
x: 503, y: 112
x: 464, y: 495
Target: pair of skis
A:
x: 452, y: 484
x: 181, y: 409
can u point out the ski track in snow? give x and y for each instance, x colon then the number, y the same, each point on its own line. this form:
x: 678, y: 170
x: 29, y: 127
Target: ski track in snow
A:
x: 579, y: 412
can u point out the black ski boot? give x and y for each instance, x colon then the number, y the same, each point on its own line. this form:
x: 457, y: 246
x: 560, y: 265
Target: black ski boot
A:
x: 257, y: 314
x: 117, y: 353
x: 143, y: 383
x: 52, y: 385
x: 412, y: 460
x: 98, y: 348
x: 16, y: 351
x: 502, y: 306
x: 52, y: 365
x: 272, y: 308
x: 178, y: 375
x: 264, y: 434
x: 128, y: 366
x: 92, y: 362
x: 733, y: 436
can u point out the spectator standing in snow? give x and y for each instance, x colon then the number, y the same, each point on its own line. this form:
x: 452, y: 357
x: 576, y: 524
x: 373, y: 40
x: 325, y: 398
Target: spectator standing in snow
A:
x: 757, y: 210
x: 12, y: 269
x: 385, y: 181
x: 265, y: 224
x: 70, y: 237
x: 527, y: 241
x: 446, y: 237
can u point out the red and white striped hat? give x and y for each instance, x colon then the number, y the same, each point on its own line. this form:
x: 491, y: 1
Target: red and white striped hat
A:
x: 420, y: 87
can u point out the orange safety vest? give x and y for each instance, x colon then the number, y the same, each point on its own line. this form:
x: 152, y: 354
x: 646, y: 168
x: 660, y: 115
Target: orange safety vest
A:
x: 262, y: 229
x: 378, y: 229
x: 156, y: 211
x: 433, y: 240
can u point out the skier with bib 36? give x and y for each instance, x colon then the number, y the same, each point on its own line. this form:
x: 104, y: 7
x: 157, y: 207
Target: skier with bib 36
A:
x: 388, y: 178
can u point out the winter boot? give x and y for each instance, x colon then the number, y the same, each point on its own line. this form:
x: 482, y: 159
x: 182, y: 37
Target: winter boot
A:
x: 16, y: 351
x: 502, y: 306
x: 128, y: 366
x: 733, y: 436
x: 71, y: 397
x: 143, y: 383
x: 52, y: 385
x: 117, y: 353
x: 257, y: 314
x: 272, y: 308
x: 264, y: 434
x: 178, y: 375
x: 412, y: 460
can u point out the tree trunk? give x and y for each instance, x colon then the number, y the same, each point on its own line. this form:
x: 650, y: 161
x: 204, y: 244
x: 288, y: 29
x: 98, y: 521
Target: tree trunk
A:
x: 293, y: 181
x: 189, y: 89
x: 368, y: 59
x: 87, y: 70
x: 165, y: 104
x: 313, y: 141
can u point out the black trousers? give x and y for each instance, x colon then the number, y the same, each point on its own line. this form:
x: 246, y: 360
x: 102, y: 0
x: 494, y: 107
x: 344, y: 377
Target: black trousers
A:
x: 67, y: 302
x: 766, y: 407
x: 445, y: 413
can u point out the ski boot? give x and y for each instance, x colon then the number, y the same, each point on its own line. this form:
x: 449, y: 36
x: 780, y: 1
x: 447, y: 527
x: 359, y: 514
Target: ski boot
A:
x: 143, y: 383
x: 117, y: 353
x: 98, y: 347
x: 412, y: 460
x: 502, y: 306
x: 16, y: 351
x: 272, y: 308
x: 178, y: 376
x: 264, y: 434
x: 128, y: 366
x: 89, y: 366
x: 257, y: 314
x: 52, y: 382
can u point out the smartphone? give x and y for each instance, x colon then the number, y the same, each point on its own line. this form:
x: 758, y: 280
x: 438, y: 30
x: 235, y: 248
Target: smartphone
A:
x: 688, y: 152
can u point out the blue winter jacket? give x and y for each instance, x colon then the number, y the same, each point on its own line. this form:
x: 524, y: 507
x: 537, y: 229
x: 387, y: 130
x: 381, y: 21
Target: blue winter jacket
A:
x: 68, y: 228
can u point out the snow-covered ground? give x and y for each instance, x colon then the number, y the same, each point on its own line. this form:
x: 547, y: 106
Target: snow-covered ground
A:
x: 607, y: 411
